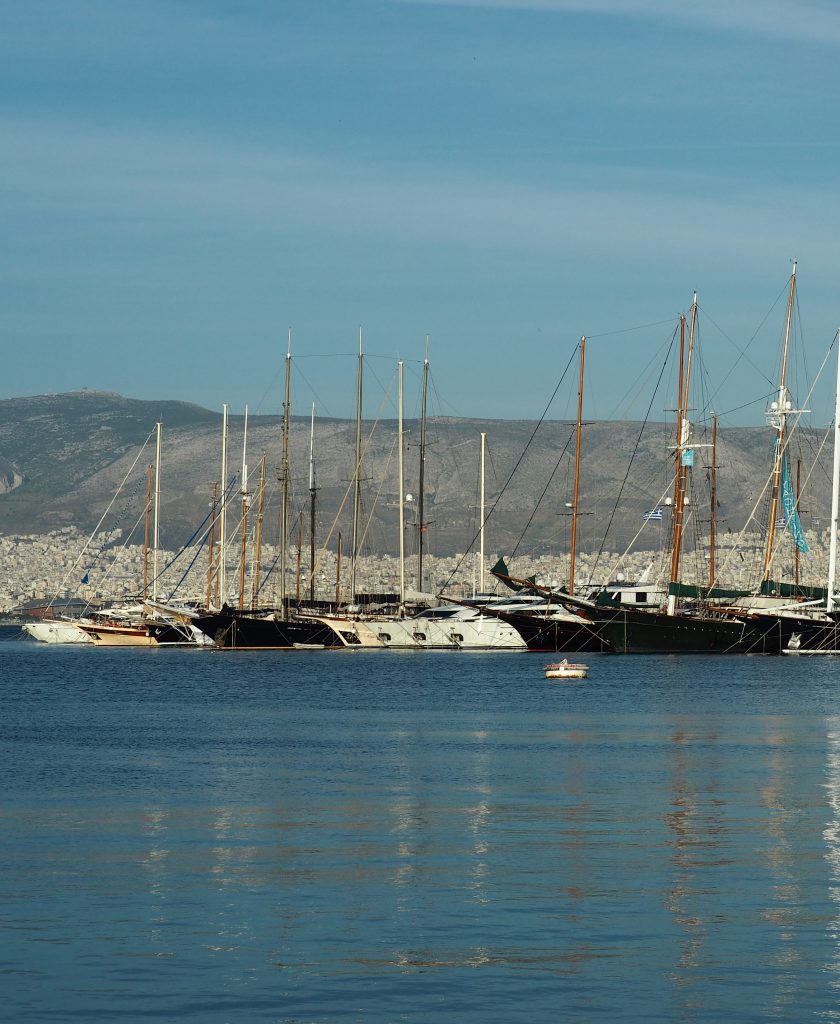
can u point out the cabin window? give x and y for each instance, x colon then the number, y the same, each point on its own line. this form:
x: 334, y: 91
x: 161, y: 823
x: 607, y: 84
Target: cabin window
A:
x: 641, y: 598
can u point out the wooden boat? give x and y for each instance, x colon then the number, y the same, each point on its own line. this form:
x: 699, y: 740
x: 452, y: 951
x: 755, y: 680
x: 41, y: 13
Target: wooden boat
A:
x: 566, y: 670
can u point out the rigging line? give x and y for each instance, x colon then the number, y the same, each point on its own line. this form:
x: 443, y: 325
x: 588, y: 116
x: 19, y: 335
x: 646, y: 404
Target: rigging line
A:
x: 530, y: 518
x: 522, y: 455
x: 765, y: 488
x: 742, y: 352
x: 75, y: 565
x: 628, y: 330
x: 198, y: 530
x: 633, y: 455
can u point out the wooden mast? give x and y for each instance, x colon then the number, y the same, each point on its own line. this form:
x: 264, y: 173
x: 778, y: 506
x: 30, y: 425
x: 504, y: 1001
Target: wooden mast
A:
x: 221, y: 587
x: 576, y: 493
x: 338, y: 572
x: 284, y: 477
x: 157, y: 516
x: 243, y: 553
x: 683, y: 440
x: 299, y: 551
x: 312, y: 494
x: 713, y: 505
x: 146, y: 534
x: 777, y: 417
x: 835, y: 492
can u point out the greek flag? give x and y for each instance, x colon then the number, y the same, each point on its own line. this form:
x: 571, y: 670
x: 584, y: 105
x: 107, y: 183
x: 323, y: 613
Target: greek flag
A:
x: 655, y: 515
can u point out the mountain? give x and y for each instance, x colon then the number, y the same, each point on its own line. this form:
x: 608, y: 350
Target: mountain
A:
x: 64, y: 457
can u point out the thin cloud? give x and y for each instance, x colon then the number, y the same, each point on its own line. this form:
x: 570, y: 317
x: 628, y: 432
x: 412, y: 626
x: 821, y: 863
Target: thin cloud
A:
x: 771, y: 18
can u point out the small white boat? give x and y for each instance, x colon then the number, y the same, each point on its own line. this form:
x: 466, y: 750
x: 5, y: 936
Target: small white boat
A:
x: 566, y: 670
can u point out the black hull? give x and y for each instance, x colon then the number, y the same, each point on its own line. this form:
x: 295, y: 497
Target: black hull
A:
x: 556, y: 635
x: 632, y: 632
x: 817, y: 638
x: 230, y: 630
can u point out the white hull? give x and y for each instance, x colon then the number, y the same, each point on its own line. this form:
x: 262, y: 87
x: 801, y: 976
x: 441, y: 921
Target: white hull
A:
x: 53, y: 631
x: 437, y: 629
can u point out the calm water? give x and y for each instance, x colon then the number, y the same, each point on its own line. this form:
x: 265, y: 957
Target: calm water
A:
x: 340, y: 836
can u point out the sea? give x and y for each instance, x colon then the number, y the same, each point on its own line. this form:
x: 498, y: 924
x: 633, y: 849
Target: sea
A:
x: 317, y: 836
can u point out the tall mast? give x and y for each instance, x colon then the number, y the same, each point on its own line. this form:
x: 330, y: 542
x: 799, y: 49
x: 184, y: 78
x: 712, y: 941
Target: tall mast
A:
x: 682, y: 448
x: 255, y: 583
x: 157, y: 516
x: 211, y: 545
x: 299, y: 552
x: 576, y: 493
x: 713, y: 506
x: 777, y: 417
x: 284, y: 477
x: 357, y: 481
x: 401, y: 471
x: 223, y: 513
x: 338, y: 572
x: 243, y: 554
x: 481, y: 516
x: 312, y: 492
x: 835, y: 493
x: 421, y: 495
x: 146, y: 533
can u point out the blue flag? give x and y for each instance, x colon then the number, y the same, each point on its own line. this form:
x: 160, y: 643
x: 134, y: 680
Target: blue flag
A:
x: 791, y: 514
x: 85, y: 578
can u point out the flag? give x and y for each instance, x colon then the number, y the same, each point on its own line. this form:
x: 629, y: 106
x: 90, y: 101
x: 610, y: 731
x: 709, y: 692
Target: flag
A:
x: 85, y: 578
x: 792, y: 516
x: 655, y: 514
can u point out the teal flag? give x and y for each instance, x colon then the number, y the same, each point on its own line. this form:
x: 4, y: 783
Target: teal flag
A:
x: 791, y: 514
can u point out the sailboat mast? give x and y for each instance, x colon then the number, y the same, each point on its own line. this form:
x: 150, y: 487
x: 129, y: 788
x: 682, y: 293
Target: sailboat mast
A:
x: 713, y: 506
x: 220, y: 576
x: 777, y: 417
x: 421, y: 495
x: 146, y: 532
x: 211, y: 544
x: 401, y: 485
x: 481, y: 516
x: 157, y: 516
x: 312, y: 493
x: 255, y: 583
x: 357, y: 481
x: 243, y: 554
x: 284, y: 476
x: 576, y: 494
x: 835, y: 493
x: 683, y: 439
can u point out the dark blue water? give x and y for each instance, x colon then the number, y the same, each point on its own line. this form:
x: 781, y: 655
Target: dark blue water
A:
x: 318, y: 836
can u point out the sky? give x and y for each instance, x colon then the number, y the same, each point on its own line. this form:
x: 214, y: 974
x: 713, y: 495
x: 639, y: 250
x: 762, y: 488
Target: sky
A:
x: 183, y: 183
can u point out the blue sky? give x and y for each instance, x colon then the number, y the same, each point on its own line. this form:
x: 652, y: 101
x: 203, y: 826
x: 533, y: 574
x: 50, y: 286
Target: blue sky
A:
x: 184, y: 181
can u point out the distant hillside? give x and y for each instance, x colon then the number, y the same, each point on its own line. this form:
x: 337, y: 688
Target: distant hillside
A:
x: 63, y: 457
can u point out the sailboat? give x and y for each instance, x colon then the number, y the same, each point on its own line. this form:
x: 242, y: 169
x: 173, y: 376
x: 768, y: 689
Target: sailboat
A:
x: 824, y: 637
x: 718, y: 621
x: 546, y: 624
x: 274, y: 627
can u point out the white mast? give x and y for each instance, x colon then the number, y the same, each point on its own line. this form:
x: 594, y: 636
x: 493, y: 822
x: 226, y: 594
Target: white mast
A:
x: 401, y: 471
x: 223, y: 510
x: 357, y: 478
x: 481, y: 521
x: 835, y: 496
x: 157, y: 516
